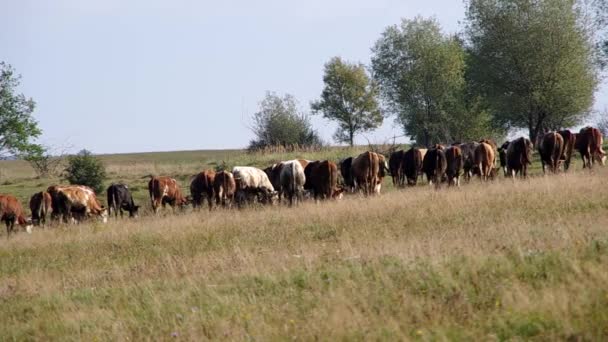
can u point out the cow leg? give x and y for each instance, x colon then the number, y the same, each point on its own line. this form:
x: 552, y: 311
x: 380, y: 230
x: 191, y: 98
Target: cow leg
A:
x: 210, y: 200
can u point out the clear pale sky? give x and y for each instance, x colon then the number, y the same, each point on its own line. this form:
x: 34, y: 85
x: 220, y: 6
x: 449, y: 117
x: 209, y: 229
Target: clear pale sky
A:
x: 160, y: 75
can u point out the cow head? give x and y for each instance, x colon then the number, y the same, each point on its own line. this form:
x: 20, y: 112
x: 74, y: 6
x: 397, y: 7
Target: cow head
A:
x: 134, y: 211
x: 338, y: 193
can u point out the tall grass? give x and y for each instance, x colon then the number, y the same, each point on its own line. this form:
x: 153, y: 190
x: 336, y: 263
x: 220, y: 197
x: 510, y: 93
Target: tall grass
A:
x: 505, y: 260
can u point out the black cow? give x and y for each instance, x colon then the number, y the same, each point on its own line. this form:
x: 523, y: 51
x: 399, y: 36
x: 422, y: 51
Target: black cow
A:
x: 119, y: 199
x: 347, y: 174
x: 434, y: 165
x: 412, y: 165
x: 395, y: 166
x: 502, y: 157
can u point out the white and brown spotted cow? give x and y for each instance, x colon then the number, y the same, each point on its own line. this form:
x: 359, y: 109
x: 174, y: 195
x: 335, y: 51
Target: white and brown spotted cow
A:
x: 75, y: 202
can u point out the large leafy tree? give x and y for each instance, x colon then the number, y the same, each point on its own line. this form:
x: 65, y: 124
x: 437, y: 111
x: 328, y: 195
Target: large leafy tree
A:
x: 278, y: 122
x: 534, y: 60
x: 17, y: 126
x: 421, y: 73
x: 348, y: 98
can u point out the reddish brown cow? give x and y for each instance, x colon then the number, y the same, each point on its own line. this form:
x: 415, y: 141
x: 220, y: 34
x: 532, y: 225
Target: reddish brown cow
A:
x: 322, y: 180
x: 589, y: 144
x: 412, y: 165
x: 165, y: 190
x: 368, y: 171
x: 75, y: 202
x: 11, y: 211
x: 41, y: 206
x: 454, y: 159
x: 569, y: 143
x: 202, y: 185
x: 485, y: 160
x: 550, y: 148
x: 224, y: 188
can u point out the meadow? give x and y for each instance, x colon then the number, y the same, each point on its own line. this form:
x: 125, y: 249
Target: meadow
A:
x: 499, y: 261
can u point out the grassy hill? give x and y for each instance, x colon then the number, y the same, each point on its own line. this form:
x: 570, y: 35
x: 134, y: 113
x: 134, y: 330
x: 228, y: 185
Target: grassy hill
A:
x: 504, y: 260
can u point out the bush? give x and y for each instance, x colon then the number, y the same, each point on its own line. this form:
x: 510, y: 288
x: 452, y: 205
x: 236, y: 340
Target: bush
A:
x: 85, y: 169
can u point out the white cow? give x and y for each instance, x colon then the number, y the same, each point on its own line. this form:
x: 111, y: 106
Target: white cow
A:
x: 252, y: 181
x: 292, y: 180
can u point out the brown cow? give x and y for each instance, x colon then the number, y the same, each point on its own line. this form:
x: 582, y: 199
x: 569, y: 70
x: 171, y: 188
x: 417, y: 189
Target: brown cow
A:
x: 202, y: 185
x: 75, y: 203
x: 165, y: 190
x: 519, y: 156
x: 454, y: 159
x: 368, y: 171
x: 11, y: 211
x: 224, y: 188
x: 569, y: 143
x: 485, y: 160
x: 322, y: 180
x: 550, y: 149
x: 589, y: 144
x: 412, y: 165
x: 40, y: 205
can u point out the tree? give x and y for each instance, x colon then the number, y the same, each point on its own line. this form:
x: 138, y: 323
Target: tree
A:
x: 421, y: 73
x: 42, y: 160
x: 349, y: 98
x: 86, y: 169
x: 17, y: 126
x: 534, y: 60
x: 279, y: 123
x: 602, y: 122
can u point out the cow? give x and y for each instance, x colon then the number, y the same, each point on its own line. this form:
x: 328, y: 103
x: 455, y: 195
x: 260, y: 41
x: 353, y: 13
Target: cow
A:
x: 368, y: 170
x: 166, y: 190
x: 395, y: 166
x: 589, y: 144
x: 292, y: 181
x: 502, y: 157
x: 12, y: 212
x: 274, y: 175
x: 412, y: 165
x: 202, y: 186
x: 322, y: 180
x: 468, y: 155
x: 224, y: 188
x: 40, y: 206
x: 550, y: 148
x: 519, y: 156
x: 569, y: 142
x: 119, y: 199
x: 485, y: 160
x: 252, y: 182
x: 434, y: 165
x: 347, y: 175
x: 454, y: 161
x: 73, y: 203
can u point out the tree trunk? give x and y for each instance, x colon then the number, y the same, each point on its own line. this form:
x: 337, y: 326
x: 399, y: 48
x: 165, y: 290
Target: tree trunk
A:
x: 351, y: 138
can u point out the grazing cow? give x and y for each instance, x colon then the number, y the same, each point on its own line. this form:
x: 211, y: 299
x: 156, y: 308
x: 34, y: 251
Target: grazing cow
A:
x: 550, y: 149
x: 224, y: 188
x: 274, y: 175
x: 292, y: 181
x: 40, y: 205
x: 395, y: 166
x: 589, y: 144
x: 454, y: 160
x: 252, y: 182
x: 202, y: 185
x: 119, y: 199
x: 569, y: 142
x: 502, y: 157
x: 485, y: 160
x: 75, y: 203
x: 412, y: 165
x: 347, y: 174
x: 166, y: 190
x: 322, y: 180
x: 519, y: 156
x: 11, y: 211
x: 468, y: 154
x: 434, y: 165
x: 366, y: 171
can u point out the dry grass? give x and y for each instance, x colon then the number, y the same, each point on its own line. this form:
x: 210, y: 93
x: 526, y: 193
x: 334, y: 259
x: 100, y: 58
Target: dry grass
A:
x: 488, y: 261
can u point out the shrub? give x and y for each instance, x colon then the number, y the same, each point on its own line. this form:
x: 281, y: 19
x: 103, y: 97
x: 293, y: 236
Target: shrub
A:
x: 85, y: 169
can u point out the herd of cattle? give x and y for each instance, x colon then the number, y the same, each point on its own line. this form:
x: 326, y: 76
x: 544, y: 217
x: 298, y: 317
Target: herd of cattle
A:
x: 290, y: 181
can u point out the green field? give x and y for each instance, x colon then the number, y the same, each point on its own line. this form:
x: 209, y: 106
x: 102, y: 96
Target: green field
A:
x: 499, y: 261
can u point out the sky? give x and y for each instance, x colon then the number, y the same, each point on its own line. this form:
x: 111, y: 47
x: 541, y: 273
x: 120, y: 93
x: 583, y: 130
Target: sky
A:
x: 118, y: 76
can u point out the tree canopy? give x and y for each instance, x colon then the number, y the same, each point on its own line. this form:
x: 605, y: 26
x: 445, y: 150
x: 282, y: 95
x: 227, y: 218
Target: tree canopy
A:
x: 278, y: 122
x: 534, y: 60
x: 348, y: 98
x: 17, y: 126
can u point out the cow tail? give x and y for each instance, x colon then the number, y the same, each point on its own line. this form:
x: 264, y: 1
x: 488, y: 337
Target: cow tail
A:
x: 294, y: 180
x: 370, y: 175
x: 333, y: 179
